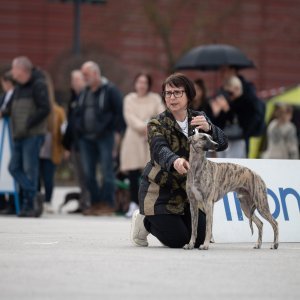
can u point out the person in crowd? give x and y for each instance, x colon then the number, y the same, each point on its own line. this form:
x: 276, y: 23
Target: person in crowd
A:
x: 29, y: 111
x: 52, y: 150
x: 200, y: 102
x: 246, y: 108
x: 7, y: 84
x: 282, y: 135
x: 139, y: 107
x: 99, y: 115
x: 164, y: 207
x: 223, y: 113
x: 70, y: 142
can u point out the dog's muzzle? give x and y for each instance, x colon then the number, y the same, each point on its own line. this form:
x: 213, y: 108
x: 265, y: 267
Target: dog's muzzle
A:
x: 211, y: 145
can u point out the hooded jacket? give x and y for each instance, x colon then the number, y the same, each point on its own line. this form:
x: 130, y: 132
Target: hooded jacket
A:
x: 30, y: 107
x: 162, y: 188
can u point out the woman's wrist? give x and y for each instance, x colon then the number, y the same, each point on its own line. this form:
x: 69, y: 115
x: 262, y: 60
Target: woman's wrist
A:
x: 209, y: 128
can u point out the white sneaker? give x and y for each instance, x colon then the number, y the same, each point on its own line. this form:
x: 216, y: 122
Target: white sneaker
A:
x: 48, y: 208
x: 132, y: 208
x: 138, y: 231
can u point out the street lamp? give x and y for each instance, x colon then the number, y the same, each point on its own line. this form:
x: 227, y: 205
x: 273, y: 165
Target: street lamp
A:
x: 76, y: 30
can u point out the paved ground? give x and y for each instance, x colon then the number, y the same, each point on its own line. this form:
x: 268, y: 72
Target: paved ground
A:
x: 76, y: 257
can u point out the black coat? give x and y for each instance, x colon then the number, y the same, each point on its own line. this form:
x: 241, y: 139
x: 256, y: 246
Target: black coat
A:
x: 70, y: 137
x: 247, y: 109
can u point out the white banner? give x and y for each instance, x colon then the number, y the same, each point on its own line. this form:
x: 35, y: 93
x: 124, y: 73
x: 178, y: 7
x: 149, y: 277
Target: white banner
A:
x: 6, y: 181
x: 282, y: 178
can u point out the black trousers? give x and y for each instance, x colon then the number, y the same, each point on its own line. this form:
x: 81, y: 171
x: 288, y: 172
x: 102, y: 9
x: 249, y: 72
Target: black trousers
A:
x: 175, y: 231
x: 134, y: 178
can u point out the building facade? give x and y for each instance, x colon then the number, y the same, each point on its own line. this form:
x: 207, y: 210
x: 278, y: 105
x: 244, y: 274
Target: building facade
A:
x: 128, y: 36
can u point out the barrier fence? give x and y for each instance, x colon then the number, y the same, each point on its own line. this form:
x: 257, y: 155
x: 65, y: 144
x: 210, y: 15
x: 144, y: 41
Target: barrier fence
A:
x: 283, y: 186
x: 7, y: 183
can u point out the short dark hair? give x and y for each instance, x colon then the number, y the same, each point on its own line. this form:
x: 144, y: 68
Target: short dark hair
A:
x: 7, y: 76
x: 148, y: 77
x: 200, y: 83
x: 180, y: 80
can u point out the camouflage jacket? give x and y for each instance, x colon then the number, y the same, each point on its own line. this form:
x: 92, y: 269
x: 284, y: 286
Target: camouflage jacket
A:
x: 162, y: 188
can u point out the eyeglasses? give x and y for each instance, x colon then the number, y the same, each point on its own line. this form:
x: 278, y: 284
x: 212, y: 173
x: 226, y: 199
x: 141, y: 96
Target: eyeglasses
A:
x: 177, y: 94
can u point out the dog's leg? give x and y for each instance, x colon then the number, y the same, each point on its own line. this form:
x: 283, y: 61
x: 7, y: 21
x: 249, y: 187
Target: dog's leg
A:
x: 209, y: 221
x: 194, y: 221
x: 259, y: 224
x: 263, y: 209
x: 246, y: 207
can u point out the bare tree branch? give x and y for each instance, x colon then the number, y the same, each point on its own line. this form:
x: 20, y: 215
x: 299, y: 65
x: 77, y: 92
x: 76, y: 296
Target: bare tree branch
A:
x: 203, y: 22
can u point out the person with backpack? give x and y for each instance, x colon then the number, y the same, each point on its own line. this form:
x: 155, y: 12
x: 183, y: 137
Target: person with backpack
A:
x: 98, y: 116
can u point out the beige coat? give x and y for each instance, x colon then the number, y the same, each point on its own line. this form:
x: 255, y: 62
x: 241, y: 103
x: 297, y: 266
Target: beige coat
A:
x: 137, y: 112
x: 282, y: 141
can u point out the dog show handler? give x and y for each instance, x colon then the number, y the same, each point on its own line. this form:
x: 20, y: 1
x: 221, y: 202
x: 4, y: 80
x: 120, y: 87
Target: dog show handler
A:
x: 164, y: 207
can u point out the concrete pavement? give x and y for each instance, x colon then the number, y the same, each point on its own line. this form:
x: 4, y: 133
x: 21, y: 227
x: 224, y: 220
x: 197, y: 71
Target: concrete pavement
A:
x: 77, y: 257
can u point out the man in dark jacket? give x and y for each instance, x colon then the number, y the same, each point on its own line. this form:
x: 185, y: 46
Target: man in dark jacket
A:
x: 98, y: 116
x: 29, y: 111
x: 70, y: 142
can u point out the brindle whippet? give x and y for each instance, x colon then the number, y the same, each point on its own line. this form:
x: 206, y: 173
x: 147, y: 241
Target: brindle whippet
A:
x: 207, y: 182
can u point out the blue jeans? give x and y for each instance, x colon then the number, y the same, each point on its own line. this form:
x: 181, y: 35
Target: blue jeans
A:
x: 93, y: 152
x: 24, y: 166
x: 47, y: 172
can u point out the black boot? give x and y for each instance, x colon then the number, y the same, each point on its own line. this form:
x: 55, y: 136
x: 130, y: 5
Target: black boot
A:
x: 29, y: 213
x: 27, y: 209
x: 38, y: 204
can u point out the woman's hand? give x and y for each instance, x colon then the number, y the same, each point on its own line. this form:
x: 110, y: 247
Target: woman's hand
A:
x: 201, y: 123
x: 181, y: 165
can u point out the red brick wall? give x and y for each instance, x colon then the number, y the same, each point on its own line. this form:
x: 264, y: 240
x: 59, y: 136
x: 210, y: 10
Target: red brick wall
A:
x: 266, y: 30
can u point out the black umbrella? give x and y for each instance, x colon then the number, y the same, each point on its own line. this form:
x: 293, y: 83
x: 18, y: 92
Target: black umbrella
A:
x: 212, y: 57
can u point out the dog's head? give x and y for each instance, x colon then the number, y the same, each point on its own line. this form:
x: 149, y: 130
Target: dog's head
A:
x: 202, y: 141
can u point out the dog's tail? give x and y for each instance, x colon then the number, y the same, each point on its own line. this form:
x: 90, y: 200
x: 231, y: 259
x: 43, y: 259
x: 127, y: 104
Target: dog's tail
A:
x: 253, y: 208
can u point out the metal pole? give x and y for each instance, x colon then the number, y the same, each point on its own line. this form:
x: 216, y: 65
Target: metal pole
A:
x: 76, y: 38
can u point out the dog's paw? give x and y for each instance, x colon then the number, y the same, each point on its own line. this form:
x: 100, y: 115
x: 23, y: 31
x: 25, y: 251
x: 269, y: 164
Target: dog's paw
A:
x: 204, y: 247
x: 188, y: 246
x: 257, y: 246
x: 274, y: 246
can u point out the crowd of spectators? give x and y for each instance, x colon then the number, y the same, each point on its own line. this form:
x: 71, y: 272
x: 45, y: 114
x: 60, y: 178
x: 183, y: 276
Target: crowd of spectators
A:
x: 103, y: 133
